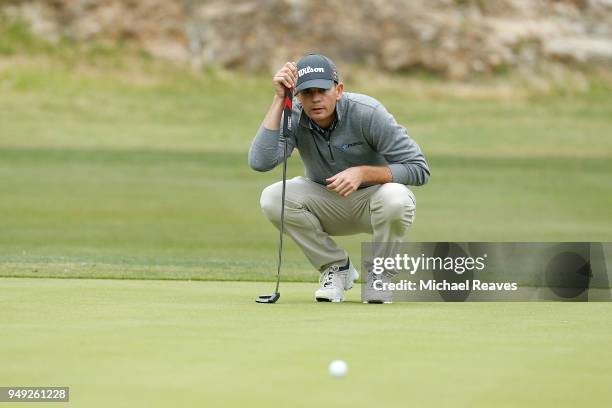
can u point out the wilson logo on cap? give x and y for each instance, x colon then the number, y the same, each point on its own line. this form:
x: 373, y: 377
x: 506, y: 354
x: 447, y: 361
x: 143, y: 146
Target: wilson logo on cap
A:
x: 308, y: 70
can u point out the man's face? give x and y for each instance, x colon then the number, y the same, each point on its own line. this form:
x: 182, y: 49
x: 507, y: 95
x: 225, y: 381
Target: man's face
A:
x: 320, y: 104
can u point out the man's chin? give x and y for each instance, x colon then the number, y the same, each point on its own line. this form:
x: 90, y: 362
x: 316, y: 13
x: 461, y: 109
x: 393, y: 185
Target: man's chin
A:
x: 320, y: 115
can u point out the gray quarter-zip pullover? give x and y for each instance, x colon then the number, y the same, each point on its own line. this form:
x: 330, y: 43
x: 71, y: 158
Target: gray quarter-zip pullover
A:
x: 364, y: 134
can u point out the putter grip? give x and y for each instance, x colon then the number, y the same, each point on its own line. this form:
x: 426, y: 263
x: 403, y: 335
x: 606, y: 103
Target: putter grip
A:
x: 287, y: 109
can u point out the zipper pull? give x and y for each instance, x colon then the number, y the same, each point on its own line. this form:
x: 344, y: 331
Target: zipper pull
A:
x: 330, y: 151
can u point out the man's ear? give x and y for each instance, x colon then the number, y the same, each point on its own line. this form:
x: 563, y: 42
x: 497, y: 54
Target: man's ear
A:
x: 339, y: 91
x: 299, y: 97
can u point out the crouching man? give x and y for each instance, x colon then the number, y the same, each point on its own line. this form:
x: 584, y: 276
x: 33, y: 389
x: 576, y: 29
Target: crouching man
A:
x: 358, y: 163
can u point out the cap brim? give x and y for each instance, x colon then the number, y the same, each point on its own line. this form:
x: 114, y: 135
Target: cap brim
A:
x: 315, y: 83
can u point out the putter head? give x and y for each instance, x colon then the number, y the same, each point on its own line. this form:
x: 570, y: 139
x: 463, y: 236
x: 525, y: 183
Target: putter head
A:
x: 271, y: 298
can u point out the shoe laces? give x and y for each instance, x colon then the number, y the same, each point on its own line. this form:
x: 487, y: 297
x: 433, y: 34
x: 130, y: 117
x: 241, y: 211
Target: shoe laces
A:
x: 327, y: 278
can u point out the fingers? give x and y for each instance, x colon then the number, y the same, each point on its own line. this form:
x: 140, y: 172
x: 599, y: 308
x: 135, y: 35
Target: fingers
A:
x: 287, y: 75
x: 284, y: 79
x: 337, y: 182
x: 334, y: 180
x: 346, y: 190
x: 342, y: 186
x: 292, y: 66
x: 291, y: 73
x: 334, y: 185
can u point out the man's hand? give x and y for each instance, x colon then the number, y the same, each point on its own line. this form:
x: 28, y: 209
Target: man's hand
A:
x: 285, y: 77
x: 349, y: 180
x: 346, y: 182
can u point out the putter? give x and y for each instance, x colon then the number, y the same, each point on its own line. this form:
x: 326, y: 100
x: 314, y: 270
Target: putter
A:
x: 273, y: 297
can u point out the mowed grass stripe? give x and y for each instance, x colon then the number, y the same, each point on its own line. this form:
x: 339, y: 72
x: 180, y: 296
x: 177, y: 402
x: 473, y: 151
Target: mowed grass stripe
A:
x: 169, y: 343
x: 196, y: 214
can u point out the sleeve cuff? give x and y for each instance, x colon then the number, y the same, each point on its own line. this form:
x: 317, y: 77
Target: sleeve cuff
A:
x: 399, y: 172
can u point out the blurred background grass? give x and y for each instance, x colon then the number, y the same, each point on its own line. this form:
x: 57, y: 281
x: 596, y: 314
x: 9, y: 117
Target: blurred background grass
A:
x: 113, y: 164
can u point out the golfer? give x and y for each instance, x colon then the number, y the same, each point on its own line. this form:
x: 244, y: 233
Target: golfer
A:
x: 358, y: 163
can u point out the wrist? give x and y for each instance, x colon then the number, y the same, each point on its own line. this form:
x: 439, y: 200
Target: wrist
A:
x: 278, y: 99
x: 362, y: 171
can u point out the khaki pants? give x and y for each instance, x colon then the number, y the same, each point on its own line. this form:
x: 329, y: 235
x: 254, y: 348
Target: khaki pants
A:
x: 313, y: 214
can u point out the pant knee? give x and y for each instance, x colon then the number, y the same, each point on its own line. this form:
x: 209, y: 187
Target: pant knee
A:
x: 270, y: 201
x: 395, y: 203
x: 395, y: 210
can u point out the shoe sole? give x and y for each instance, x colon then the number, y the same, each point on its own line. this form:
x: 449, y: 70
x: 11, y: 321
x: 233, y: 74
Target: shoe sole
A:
x: 378, y: 302
x: 320, y: 299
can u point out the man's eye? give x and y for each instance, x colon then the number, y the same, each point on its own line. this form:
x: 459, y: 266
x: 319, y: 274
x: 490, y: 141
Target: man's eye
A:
x: 310, y: 92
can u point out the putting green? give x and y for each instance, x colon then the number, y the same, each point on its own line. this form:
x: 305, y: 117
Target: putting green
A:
x: 127, y: 343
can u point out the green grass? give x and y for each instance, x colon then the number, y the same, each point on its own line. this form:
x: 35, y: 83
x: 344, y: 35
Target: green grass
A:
x: 196, y: 214
x: 160, y: 344
x: 115, y: 165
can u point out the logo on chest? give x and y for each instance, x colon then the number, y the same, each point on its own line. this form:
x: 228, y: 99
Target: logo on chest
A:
x: 344, y: 147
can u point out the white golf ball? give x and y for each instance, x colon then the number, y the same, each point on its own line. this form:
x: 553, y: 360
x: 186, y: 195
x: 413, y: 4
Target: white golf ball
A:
x: 338, y: 368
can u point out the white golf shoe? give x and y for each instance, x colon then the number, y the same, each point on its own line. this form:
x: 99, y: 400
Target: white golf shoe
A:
x: 373, y: 285
x: 334, y: 281
x: 350, y: 276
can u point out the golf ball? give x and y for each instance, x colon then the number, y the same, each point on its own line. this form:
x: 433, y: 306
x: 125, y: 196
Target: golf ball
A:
x: 338, y: 368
